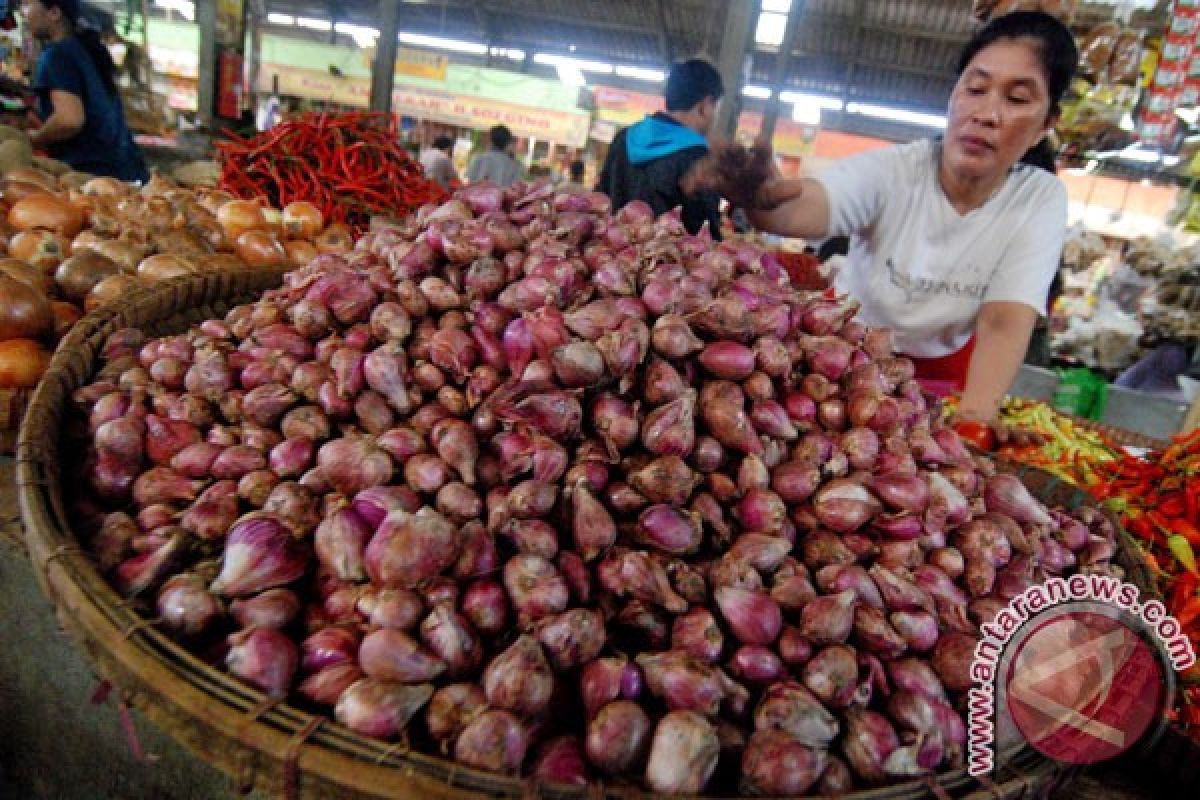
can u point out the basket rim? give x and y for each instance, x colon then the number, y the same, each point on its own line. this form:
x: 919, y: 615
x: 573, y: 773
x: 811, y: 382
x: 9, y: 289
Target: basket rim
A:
x: 167, y: 682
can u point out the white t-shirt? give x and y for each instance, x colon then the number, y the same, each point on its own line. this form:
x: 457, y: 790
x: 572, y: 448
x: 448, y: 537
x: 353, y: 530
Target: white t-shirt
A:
x: 919, y: 267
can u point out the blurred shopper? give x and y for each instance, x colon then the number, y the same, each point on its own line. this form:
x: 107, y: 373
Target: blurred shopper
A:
x: 496, y: 164
x: 83, y: 121
x: 574, y: 182
x: 647, y: 160
x: 437, y: 163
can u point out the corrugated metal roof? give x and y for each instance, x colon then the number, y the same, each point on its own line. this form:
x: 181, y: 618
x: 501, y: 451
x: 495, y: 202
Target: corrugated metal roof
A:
x: 898, y: 52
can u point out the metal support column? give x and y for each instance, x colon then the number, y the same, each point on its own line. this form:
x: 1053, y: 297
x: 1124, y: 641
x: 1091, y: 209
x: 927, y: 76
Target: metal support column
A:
x: 206, y: 69
x: 255, y: 17
x: 783, y: 60
x: 731, y: 61
x: 384, y: 68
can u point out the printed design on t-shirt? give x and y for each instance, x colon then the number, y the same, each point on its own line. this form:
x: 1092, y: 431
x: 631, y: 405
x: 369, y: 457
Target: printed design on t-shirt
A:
x: 913, y: 287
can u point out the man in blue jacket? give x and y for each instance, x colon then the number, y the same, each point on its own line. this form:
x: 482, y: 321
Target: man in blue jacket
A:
x: 647, y: 160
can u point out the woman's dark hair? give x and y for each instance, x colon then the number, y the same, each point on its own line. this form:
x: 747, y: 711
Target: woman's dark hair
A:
x: 576, y: 170
x: 89, y: 37
x: 1041, y: 155
x: 443, y: 142
x: 690, y: 82
x: 501, y: 137
x: 1055, y: 47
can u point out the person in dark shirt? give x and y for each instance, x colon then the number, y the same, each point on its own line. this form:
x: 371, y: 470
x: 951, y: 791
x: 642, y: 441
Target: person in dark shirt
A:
x: 83, y: 122
x: 646, y: 161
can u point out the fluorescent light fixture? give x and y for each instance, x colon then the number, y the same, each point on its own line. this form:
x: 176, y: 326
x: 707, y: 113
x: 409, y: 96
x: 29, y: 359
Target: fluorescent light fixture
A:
x: 184, y: 7
x: 314, y: 24
x: 570, y: 75
x: 642, y: 74
x: 823, y: 102
x: 897, y: 114
x: 511, y: 53
x: 761, y: 92
x: 363, y: 36
x: 770, y: 29
x: 806, y: 113
x: 438, y: 43
x: 280, y: 19
x: 778, y: 6
x: 355, y: 30
x: 580, y: 64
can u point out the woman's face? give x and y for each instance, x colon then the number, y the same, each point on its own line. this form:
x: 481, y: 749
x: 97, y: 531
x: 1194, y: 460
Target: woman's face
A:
x: 999, y: 109
x: 38, y: 19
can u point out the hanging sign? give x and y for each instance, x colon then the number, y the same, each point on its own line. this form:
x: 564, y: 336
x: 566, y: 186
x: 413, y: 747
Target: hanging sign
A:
x: 414, y: 63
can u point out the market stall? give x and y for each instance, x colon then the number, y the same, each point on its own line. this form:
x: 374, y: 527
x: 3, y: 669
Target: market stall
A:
x: 355, y: 486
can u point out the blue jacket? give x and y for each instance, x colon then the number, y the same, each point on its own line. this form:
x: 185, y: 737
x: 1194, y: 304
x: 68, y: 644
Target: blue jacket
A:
x: 646, y: 162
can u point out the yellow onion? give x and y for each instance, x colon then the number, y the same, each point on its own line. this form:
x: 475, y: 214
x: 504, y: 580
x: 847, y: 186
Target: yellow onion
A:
x: 107, y: 186
x: 337, y: 239
x: 33, y: 175
x: 27, y: 273
x: 161, y: 267
x: 24, y: 310
x: 302, y: 220
x: 109, y: 290
x: 239, y: 216
x: 42, y: 249
x: 79, y: 274
x: 22, y: 363
x: 48, y: 212
x: 260, y: 249
x: 124, y: 254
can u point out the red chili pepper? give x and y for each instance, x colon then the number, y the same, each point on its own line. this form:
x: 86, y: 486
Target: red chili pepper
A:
x: 1172, y: 505
x: 1183, y: 589
x: 1144, y: 529
x: 1187, y: 615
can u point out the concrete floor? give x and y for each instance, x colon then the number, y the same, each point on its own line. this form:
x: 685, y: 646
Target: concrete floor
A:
x: 55, y: 744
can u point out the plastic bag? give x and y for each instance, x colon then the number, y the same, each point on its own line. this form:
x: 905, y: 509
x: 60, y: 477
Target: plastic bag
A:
x: 1126, y: 62
x: 1097, y: 48
x: 1081, y: 392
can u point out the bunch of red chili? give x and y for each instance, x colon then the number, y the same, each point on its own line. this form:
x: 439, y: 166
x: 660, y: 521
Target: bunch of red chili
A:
x: 1158, y: 498
x: 351, y: 166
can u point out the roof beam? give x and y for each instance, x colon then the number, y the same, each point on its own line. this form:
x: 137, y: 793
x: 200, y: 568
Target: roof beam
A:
x: 664, y: 40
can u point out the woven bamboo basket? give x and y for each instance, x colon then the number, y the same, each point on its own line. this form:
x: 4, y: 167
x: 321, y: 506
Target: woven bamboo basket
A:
x: 274, y: 747
x: 13, y: 403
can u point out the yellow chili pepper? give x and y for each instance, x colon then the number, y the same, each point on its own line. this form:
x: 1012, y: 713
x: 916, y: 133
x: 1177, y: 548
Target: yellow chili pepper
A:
x: 1181, y: 548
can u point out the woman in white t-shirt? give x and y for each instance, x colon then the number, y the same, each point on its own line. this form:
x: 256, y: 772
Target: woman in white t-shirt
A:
x: 954, y: 242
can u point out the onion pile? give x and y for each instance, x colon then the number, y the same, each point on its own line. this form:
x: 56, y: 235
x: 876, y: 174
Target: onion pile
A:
x: 569, y: 495
x: 83, y: 243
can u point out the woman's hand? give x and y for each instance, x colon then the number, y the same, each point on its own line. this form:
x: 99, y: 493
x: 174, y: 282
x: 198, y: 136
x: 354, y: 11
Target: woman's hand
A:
x: 987, y: 435
x: 748, y: 179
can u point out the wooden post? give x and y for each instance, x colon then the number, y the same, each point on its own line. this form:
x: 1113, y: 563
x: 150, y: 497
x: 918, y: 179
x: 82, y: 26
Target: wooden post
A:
x: 731, y: 62
x: 383, y: 70
x: 206, y: 86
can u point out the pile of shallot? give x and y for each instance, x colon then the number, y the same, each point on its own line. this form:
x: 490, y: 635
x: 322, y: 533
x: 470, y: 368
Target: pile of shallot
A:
x: 569, y: 495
